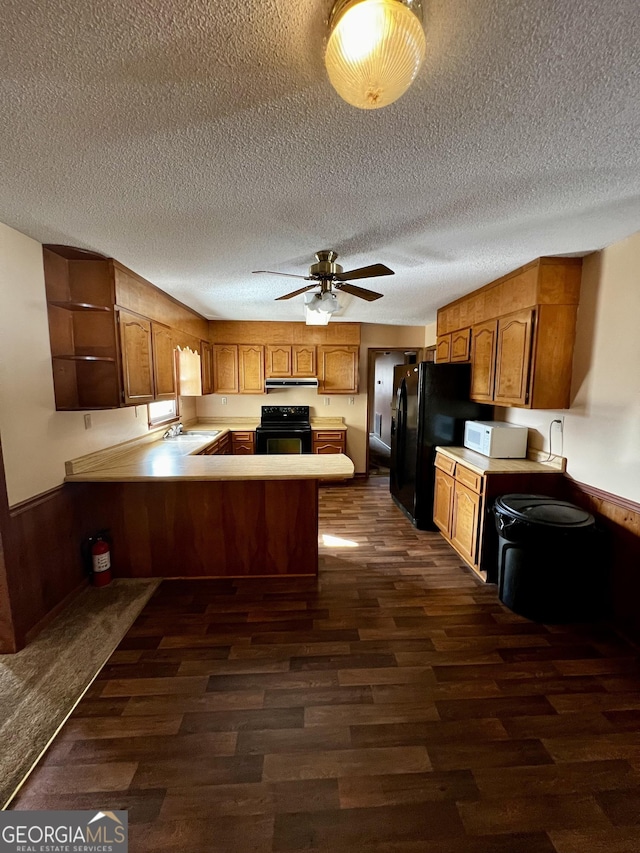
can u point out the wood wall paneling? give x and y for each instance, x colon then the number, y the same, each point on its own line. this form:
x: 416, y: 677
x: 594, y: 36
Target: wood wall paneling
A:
x: 240, y: 332
x: 210, y: 529
x: 142, y: 297
x: 620, y: 519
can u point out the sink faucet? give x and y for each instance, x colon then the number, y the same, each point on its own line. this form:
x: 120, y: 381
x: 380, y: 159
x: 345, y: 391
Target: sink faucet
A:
x: 173, y: 431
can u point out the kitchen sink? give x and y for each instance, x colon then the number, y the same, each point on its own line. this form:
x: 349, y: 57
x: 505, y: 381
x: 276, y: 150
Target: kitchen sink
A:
x: 190, y: 435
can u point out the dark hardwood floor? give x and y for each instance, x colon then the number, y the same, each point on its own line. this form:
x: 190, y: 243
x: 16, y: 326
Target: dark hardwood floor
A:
x: 396, y: 707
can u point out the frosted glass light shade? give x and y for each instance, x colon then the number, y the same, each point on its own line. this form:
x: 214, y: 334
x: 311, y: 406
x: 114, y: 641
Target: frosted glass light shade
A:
x: 374, y: 52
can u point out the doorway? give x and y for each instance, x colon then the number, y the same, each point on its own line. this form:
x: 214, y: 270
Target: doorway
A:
x: 381, y: 363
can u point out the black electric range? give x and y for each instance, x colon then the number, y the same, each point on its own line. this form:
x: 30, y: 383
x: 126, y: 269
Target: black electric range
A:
x: 284, y: 429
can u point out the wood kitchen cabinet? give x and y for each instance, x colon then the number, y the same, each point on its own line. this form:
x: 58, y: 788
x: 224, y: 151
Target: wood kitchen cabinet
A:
x: 243, y: 443
x: 513, y: 359
x: 443, y: 349
x: 164, y: 362
x: 338, y: 369
x: 238, y: 369
x: 220, y: 447
x: 111, y: 333
x: 250, y: 369
x: 461, y: 345
x: 483, y: 361
x: 225, y: 368
x: 283, y: 361
x: 206, y: 366
x: 137, y: 358
x: 463, y: 502
x: 330, y: 441
x: 520, y: 332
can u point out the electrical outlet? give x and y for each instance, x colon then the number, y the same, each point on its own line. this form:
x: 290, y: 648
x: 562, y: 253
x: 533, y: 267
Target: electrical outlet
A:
x: 87, y: 421
x: 558, y: 423
x: 224, y: 401
x: 327, y: 400
x: 352, y: 401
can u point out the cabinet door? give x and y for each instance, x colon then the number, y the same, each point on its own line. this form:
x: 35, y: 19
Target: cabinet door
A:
x: 164, y: 362
x: 329, y: 441
x: 465, y: 522
x: 338, y: 369
x: 443, y: 349
x: 483, y: 360
x: 137, y: 359
x: 304, y: 360
x: 225, y: 369
x: 443, y: 501
x: 277, y: 360
x: 206, y: 365
x: 251, y: 369
x: 461, y: 345
x: 513, y: 358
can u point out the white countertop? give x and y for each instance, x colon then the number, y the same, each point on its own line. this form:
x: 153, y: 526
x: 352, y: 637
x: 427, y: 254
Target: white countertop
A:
x: 177, y: 459
x: 486, y: 465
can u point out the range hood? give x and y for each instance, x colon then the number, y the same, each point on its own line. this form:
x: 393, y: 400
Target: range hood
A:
x: 275, y: 384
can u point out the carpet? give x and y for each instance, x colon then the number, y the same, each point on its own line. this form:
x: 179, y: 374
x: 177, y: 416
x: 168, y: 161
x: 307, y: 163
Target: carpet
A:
x: 40, y: 685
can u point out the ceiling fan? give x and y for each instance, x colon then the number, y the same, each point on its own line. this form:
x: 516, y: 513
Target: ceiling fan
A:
x: 330, y: 276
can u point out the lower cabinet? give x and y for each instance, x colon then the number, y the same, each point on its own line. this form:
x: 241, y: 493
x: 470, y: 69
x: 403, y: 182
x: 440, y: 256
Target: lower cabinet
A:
x: 220, y: 447
x: 243, y: 443
x: 457, y: 507
x: 330, y: 441
x: 463, y: 503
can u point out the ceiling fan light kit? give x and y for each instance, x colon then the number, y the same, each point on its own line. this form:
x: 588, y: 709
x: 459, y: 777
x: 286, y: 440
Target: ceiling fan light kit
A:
x: 319, y: 307
x: 375, y: 49
x: 329, y: 277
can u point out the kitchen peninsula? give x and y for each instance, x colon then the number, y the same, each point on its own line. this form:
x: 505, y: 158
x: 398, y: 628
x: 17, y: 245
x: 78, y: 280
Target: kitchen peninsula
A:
x: 172, y: 512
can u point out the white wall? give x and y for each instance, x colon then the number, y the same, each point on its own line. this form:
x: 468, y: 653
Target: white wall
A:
x: 37, y: 440
x: 601, y: 433
x: 354, y: 415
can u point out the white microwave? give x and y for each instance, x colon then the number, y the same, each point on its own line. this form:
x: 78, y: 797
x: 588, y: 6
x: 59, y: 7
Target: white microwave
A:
x: 497, y: 439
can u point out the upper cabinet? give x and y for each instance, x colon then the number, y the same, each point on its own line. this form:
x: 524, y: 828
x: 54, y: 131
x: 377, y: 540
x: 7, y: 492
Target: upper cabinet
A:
x: 112, y: 334
x: 338, y: 369
x: 251, y: 369
x: 137, y: 358
x: 519, y: 334
x: 289, y: 350
x: 225, y: 368
x: 290, y: 360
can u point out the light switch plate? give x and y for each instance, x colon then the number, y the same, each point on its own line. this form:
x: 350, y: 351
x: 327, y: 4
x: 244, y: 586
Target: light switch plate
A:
x: 87, y: 421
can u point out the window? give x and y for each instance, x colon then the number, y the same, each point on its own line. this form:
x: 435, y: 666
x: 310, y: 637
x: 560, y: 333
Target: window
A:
x: 162, y: 412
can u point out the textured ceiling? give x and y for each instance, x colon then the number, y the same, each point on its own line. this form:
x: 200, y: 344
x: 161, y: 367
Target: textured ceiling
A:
x: 196, y: 141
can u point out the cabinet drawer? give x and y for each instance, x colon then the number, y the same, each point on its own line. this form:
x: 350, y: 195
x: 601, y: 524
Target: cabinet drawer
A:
x: 445, y: 464
x: 329, y: 435
x: 243, y: 436
x: 469, y: 478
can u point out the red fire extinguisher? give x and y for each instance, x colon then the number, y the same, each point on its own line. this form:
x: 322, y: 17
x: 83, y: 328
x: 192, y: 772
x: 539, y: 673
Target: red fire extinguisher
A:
x: 101, y: 562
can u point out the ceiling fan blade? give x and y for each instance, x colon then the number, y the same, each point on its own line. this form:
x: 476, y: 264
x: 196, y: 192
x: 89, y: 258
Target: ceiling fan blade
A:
x: 364, y: 272
x: 361, y: 292
x: 288, y: 274
x: 297, y: 292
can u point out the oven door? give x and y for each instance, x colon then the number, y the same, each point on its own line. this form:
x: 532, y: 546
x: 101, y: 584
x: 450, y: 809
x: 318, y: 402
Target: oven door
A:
x: 286, y: 440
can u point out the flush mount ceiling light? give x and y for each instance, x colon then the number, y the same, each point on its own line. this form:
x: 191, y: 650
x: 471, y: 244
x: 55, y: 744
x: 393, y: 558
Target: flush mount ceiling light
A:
x: 375, y: 50
x: 319, y: 307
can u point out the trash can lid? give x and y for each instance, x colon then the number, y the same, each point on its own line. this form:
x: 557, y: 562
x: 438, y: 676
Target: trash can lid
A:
x: 542, y: 509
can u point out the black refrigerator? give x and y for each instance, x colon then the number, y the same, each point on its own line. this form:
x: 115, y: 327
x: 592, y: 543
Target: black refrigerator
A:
x: 429, y: 407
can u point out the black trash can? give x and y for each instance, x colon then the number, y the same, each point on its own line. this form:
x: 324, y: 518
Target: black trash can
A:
x: 550, y: 566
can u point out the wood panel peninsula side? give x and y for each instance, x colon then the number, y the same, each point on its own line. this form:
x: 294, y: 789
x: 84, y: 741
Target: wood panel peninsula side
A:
x: 172, y: 510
